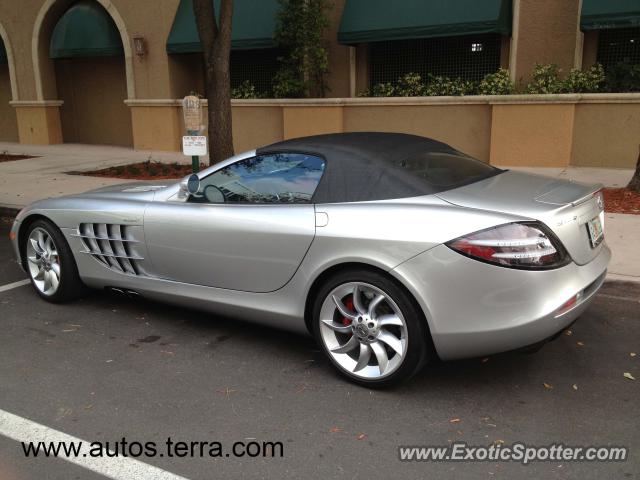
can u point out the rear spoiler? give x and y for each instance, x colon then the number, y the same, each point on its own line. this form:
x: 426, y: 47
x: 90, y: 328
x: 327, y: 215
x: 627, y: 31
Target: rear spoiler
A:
x: 572, y: 193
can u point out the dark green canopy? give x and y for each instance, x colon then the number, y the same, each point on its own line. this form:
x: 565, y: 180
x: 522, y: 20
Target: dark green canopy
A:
x: 602, y: 14
x: 365, y: 21
x: 3, y: 52
x: 85, y: 30
x: 253, y: 26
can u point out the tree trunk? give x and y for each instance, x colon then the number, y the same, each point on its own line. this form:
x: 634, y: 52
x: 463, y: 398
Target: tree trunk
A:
x: 634, y: 183
x: 216, y: 46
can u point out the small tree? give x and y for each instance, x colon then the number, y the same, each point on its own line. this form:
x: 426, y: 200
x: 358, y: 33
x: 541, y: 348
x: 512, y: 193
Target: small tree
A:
x: 216, y: 48
x: 634, y: 184
x: 305, y: 63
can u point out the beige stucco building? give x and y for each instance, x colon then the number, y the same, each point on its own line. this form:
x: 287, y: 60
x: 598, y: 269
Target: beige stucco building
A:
x: 110, y: 71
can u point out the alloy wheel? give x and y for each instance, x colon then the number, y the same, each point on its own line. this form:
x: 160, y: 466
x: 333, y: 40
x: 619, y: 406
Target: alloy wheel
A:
x: 363, y: 330
x: 43, y: 261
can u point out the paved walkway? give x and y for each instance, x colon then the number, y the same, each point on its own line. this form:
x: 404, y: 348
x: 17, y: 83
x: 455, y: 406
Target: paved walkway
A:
x: 24, y: 181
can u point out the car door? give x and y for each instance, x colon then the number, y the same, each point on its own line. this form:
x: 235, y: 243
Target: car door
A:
x: 248, y: 227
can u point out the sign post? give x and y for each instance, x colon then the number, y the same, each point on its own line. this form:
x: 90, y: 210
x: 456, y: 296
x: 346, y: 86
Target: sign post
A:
x: 193, y: 144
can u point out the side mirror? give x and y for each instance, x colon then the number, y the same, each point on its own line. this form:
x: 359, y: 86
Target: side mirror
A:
x: 189, y: 185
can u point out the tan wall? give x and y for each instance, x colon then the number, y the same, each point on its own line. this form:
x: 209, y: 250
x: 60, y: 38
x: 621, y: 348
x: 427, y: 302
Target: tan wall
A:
x: 590, y: 48
x: 466, y: 127
x: 527, y: 135
x: 39, y: 124
x: 338, y: 78
x: 302, y: 121
x: 546, y: 33
x: 606, y: 135
x: 161, y: 126
x: 8, y: 123
x: 186, y: 74
x: 156, y: 128
x: 514, y: 130
x: 93, y: 91
x: 254, y: 126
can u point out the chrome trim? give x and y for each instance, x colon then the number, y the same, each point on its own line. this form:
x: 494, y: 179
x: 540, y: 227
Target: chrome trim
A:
x: 111, y: 255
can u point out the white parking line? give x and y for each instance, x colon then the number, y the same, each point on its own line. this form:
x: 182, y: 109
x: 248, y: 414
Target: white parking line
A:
x: 117, y: 468
x: 10, y: 286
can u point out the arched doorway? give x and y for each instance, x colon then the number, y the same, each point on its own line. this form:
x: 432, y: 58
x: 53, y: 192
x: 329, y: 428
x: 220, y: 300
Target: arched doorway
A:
x: 90, y: 74
x: 8, y: 123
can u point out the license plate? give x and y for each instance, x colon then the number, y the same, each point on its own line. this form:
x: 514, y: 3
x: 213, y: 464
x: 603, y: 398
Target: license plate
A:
x: 595, y: 231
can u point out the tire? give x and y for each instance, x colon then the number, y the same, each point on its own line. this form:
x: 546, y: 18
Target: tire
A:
x: 353, y: 336
x: 50, y: 264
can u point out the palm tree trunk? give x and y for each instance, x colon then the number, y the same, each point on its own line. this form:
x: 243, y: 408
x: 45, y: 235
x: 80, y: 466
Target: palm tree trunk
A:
x: 634, y: 184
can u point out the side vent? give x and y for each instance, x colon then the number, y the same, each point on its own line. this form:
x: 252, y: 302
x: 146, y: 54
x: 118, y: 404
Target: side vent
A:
x: 111, y: 245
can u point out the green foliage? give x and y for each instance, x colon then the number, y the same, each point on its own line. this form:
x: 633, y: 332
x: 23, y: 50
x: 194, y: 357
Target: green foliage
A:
x: 445, y: 86
x: 498, y: 83
x: 245, y: 90
x: 409, y: 85
x: 545, y: 79
x: 623, y: 77
x: 584, y: 81
x: 300, y: 34
x: 383, y: 90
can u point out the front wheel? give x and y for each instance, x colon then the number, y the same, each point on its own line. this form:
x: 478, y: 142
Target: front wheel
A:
x: 370, y: 328
x: 50, y: 263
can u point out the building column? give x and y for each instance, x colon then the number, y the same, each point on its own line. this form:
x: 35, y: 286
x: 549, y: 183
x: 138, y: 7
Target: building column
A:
x: 544, y: 32
x: 38, y: 121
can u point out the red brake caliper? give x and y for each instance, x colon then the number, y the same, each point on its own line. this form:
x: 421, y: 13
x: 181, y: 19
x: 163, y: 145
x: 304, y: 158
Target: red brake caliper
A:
x: 349, y: 304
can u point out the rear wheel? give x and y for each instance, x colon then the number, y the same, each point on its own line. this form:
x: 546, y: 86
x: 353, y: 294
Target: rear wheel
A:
x: 50, y: 263
x: 370, y: 328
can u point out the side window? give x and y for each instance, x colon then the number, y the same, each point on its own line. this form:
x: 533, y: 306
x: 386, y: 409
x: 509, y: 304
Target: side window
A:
x: 276, y: 178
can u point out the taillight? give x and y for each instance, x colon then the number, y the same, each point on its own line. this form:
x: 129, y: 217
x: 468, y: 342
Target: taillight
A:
x: 527, y: 245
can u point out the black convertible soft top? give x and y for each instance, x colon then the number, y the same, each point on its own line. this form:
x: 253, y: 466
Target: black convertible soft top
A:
x: 365, y: 166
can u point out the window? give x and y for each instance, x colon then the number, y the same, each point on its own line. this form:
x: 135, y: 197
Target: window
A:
x: 618, y: 45
x: 446, y: 169
x: 255, y: 66
x: 277, y: 178
x: 466, y: 57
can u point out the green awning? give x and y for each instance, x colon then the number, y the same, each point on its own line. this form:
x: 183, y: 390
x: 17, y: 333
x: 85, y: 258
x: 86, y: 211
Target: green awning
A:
x: 85, y: 30
x: 3, y: 52
x: 253, y: 26
x: 602, y: 14
x: 365, y: 21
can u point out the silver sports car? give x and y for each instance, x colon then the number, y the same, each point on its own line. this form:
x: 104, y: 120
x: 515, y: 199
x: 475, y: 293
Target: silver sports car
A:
x: 390, y: 249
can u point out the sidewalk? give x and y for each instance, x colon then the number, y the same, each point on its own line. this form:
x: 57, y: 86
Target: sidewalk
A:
x: 24, y: 181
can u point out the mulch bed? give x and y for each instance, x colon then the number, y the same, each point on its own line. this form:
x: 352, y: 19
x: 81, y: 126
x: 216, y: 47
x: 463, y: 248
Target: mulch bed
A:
x: 621, y: 200
x: 147, y: 170
x: 7, y: 157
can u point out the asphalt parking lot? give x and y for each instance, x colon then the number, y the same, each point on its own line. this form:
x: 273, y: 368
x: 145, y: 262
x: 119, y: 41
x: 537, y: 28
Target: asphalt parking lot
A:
x: 105, y: 368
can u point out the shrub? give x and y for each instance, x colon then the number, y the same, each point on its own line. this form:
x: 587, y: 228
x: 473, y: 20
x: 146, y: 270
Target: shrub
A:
x: 444, y: 86
x: 497, y: 83
x: 245, y: 90
x: 410, y: 85
x: 584, y: 81
x: 379, y: 90
x: 545, y: 79
x: 623, y: 77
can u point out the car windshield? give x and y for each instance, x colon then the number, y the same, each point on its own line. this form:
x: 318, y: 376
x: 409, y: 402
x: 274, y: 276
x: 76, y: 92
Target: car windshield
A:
x: 446, y: 169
